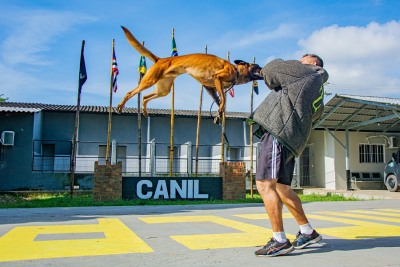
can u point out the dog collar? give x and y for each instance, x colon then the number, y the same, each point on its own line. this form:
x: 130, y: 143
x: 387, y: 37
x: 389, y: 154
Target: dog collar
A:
x: 235, y: 81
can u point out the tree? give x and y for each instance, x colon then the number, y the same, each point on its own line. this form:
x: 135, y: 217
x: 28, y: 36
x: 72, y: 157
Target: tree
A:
x: 3, y: 99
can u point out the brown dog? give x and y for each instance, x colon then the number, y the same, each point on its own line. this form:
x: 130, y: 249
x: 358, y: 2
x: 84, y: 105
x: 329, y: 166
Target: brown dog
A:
x: 214, y: 73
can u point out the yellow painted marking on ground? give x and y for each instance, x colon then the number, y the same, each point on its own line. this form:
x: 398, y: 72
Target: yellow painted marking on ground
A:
x: 19, y: 243
x: 358, y: 229
x: 262, y: 216
x: 249, y: 236
x: 353, y: 229
x: 379, y: 213
x: 360, y: 216
x: 390, y: 210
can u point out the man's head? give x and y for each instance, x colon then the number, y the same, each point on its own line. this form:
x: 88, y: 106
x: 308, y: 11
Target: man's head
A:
x: 312, y: 59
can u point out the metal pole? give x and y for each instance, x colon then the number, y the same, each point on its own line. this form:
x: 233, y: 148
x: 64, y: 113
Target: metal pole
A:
x: 348, y: 160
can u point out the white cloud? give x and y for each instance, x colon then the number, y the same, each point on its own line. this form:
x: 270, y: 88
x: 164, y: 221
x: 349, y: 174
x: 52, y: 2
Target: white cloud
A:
x: 238, y: 40
x: 33, y: 31
x: 23, y: 63
x: 360, y: 60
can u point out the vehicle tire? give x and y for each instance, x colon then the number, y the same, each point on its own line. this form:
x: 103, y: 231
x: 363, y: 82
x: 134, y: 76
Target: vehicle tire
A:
x: 391, y: 183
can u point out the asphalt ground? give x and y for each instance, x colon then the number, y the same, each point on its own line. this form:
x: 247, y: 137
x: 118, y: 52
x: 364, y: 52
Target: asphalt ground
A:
x: 358, y: 233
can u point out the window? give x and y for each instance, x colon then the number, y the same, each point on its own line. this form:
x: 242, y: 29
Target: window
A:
x: 48, y: 151
x: 370, y: 153
x: 234, y: 153
x: 102, y: 154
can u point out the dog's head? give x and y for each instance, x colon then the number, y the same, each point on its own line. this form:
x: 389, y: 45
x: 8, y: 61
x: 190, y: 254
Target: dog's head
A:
x: 248, y: 71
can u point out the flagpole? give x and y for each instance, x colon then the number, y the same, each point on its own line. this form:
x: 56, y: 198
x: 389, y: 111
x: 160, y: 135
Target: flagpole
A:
x: 140, y: 123
x: 73, y: 156
x: 171, y: 149
x: 110, y: 107
x: 251, y: 138
x: 198, y: 126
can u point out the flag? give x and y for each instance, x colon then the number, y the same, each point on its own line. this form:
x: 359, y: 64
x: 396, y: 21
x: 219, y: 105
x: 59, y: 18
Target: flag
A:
x: 232, y: 92
x: 142, y: 66
x: 255, y: 87
x: 174, y: 52
x: 115, y: 72
x: 82, y: 69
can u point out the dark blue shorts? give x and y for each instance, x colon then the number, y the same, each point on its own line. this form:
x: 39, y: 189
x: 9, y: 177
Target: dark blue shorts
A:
x: 275, y: 161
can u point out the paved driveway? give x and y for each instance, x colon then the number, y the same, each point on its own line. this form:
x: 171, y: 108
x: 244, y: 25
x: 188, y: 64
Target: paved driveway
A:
x: 361, y: 233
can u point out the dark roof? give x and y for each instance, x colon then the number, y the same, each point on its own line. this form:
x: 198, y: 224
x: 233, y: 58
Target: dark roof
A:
x: 361, y: 113
x: 36, y: 107
x: 342, y: 112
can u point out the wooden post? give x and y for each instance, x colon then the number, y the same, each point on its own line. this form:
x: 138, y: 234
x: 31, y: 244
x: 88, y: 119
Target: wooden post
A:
x: 251, y: 139
x: 82, y: 80
x: 140, y: 124
x: 110, y: 107
x: 198, y: 127
x: 171, y: 148
x: 223, y: 125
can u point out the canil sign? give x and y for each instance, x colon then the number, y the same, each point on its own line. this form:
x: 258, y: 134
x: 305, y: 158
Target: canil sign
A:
x: 199, y: 188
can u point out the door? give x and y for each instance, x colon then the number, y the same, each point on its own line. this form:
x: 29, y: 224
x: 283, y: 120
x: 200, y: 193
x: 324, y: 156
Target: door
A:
x: 307, y: 169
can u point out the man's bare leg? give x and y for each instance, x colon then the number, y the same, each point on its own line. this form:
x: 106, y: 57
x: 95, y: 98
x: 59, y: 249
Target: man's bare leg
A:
x: 307, y: 235
x: 292, y: 202
x: 272, y: 202
x: 279, y: 244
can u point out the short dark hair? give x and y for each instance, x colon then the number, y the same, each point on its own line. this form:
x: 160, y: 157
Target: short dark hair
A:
x: 319, y: 59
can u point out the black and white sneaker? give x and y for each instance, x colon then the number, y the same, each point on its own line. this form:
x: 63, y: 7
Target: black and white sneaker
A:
x: 304, y: 240
x: 274, y: 248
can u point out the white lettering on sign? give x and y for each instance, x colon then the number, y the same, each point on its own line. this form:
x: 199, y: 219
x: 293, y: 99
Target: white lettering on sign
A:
x: 139, y: 188
x: 188, y: 189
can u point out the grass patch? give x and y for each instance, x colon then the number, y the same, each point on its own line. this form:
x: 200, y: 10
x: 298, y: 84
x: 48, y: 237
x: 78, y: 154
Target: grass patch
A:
x: 45, y: 200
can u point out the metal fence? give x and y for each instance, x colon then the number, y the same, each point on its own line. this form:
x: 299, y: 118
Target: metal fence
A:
x: 55, y: 156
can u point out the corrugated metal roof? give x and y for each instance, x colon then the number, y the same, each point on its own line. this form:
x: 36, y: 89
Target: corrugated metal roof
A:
x: 361, y: 113
x: 355, y: 113
x: 383, y: 100
x: 35, y: 107
x: 19, y: 109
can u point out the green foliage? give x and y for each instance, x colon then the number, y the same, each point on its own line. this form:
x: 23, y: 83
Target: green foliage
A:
x: 42, y: 200
x: 3, y: 99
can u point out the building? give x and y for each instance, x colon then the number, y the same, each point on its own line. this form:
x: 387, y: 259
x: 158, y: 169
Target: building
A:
x: 354, y: 138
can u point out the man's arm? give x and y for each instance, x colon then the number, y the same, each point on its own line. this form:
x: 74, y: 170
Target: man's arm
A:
x: 270, y: 74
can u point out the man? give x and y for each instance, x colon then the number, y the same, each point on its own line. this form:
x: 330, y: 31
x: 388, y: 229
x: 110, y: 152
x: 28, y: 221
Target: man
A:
x: 285, y: 117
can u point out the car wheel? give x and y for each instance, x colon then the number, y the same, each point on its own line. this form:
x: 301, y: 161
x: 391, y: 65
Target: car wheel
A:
x: 391, y: 183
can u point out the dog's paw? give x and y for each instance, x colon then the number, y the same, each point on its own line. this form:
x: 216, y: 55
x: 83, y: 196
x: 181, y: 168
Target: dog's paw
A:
x: 217, y: 120
x: 119, y: 108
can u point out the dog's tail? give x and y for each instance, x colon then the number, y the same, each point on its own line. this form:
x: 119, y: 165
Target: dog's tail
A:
x: 138, y: 46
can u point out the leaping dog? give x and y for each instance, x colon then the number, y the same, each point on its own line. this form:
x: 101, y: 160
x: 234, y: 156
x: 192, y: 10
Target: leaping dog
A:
x: 214, y: 73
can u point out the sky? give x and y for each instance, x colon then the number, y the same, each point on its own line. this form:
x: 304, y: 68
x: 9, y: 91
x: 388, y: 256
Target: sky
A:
x: 40, y: 45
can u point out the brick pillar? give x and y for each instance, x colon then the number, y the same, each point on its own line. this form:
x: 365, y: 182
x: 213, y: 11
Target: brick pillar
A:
x: 107, y: 181
x: 233, y: 180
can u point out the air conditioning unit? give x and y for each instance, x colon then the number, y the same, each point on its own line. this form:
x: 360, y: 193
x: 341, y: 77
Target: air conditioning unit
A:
x: 7, y: 138
x: 393, y: 141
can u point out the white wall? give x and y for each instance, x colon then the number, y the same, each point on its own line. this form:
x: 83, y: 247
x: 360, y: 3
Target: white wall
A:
x: 330, y: 157
x: 317, y: 138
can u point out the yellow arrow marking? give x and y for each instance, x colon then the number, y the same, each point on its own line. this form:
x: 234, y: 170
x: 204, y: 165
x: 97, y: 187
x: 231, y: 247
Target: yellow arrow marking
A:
x: 381, y: 213
x: 359, y: 216
x: 249, y: 235
x: 358, y: 230
x: 20, y: 244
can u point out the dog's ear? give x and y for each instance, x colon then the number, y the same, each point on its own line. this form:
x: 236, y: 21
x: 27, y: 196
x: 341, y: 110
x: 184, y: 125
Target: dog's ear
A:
x: 239, y: 61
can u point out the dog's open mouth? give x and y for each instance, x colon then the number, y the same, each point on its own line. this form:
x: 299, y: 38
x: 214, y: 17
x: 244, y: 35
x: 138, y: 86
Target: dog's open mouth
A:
x: 256, y: 72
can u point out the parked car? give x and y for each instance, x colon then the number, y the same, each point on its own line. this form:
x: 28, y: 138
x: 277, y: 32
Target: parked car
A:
x: 391, y: 176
